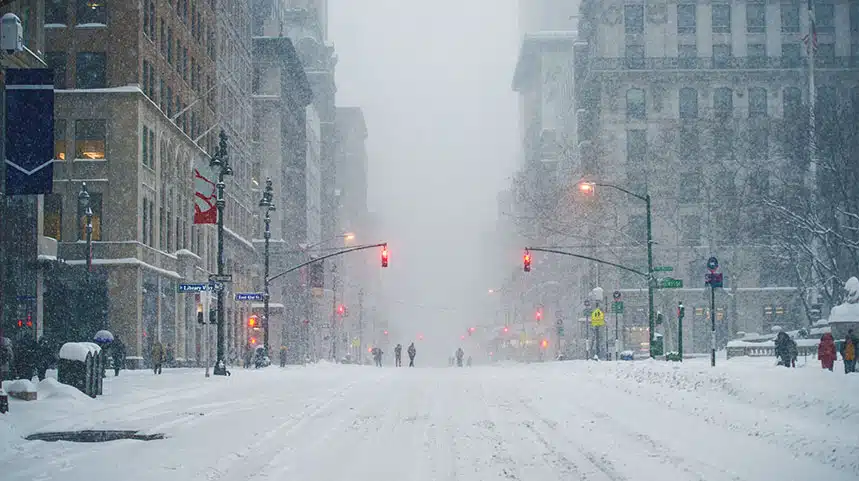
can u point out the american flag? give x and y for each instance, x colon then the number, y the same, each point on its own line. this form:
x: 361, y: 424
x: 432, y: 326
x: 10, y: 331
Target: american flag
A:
x: 810, y: 39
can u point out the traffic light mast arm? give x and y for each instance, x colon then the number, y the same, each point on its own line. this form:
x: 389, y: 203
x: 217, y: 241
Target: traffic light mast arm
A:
x: 341, y: 252
x: 554, y: 251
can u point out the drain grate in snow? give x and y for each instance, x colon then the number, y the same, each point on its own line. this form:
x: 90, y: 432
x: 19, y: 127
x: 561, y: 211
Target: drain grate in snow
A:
x: 91, y: 436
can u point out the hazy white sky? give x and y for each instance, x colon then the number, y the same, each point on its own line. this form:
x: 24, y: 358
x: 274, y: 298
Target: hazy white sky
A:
x: 433, y: 78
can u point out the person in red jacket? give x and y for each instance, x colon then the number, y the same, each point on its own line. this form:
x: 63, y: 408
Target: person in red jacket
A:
x: 826, y: 351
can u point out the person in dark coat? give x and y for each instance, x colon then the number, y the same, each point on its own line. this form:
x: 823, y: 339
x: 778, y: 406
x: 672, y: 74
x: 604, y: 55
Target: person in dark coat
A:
x: 782, y: 349
x: 117, y: 352
x: 412, y: 352
x: 398, y: 355
x: 826, y: 351
x: 849, y: 349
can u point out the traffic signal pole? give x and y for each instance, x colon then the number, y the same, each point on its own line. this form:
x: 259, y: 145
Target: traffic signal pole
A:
x: 328, y: 256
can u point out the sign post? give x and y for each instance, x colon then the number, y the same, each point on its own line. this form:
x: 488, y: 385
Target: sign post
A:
x: 714, y: 280
x: 597, y: 320
x: 616, y: 308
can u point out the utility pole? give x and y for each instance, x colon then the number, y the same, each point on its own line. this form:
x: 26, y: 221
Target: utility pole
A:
x: 334, y: 312
x: 681, y: 312
x: 651, y: 279
x: 361, y: 326
x: 220, y: 160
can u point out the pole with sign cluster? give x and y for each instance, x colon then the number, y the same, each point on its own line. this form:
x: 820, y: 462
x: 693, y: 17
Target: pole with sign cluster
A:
x: 617, y: 308
x: 714, y: 280
x: 220, y: 160
x: 681, y: 312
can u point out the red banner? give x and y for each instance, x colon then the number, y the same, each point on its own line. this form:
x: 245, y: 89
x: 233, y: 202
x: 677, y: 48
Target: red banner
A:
x: 205, y: 197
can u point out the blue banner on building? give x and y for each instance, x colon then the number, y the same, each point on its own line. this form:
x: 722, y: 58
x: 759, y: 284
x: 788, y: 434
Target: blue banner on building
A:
x: 29, y: 131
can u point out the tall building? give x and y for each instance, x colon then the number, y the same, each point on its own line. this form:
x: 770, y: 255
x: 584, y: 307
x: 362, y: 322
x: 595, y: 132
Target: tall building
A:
x: 144, y: 88
x: 684, y: 101
x: 307, y: 176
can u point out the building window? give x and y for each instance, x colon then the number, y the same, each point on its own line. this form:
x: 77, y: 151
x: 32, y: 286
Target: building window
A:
x: 148, y: 147
x: 826, y: 99
x: 169, y: 45
x: 691, y: 233
x: 721, y: 18
x: 792, y: 102
x: 163, y: 37
x: 90, y: 139
x: 824, y: 16
x: 57, y: 61
x: 169, y: 100
x: 721, y: 56
x: 687, y: 56
x: 59, y: 139
x: 92, y: 12
x: 633, y: 19
x: 789, y: 17
x: 636, y: 146
x: 688, y: 103
x: 152, y: 19
x: 688, y: 145
x: 790, y: 55
x: 147, y: 18
x: 756, y: 17
x: 723, y: 148
x: 146, y: 220
x: 95, y: 204
x: 56, y: 12
x: 636, y: 107
x: 689, y: 189
x: 634, y: 56
x: 757, y: 102
x: 686, y: 19
x: 759, y: 144
x: 825, y: 52
x: 53, y: 216
x: 723, y: 102
x: 756, y: 55
x: 90, y: 70
x: 147, y: 68
x: 854, y: 17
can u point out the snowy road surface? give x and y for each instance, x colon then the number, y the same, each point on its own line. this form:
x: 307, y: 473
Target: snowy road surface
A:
x: 554, y: 421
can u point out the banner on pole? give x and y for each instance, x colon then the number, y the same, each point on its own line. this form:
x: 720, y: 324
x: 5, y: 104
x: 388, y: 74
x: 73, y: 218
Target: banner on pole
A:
x: 29, y: 131
x: 205, y: 195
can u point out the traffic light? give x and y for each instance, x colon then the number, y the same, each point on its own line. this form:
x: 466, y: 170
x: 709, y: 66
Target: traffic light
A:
x: 317, y: 275
x: 341, y: 310
x: 252, y: 341
x: 587, y: 189
x: 253, y: 322
x: 386, y: 332
x: 506, y: 329
x: 526, y: 259
x: 539, y: 315
x: 471, y: 330
x: 681, y: 310
x: 545, y: 343
x: 200, y: 314
x: 385, y: 256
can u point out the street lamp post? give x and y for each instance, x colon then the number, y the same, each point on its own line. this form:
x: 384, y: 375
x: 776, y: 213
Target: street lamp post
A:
x: 220, y: 160
x: 588, y: 188
x: 83, y: 200
x: 267, y: 203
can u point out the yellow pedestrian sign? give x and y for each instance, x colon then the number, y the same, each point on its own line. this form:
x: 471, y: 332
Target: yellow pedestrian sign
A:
x: 597, y: 318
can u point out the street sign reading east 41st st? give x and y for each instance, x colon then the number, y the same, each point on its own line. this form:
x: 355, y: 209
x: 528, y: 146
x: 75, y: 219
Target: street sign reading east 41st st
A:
x: 670, y: 283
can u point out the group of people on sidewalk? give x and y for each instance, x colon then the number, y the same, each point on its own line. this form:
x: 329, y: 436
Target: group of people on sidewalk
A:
x: 826, y: 351
x: 398, y: 355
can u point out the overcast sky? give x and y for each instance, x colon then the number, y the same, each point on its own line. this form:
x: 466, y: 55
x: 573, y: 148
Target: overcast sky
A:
x: 433, y: 78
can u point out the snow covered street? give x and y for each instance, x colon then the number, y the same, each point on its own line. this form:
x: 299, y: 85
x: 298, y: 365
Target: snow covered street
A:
x: 745, y: 420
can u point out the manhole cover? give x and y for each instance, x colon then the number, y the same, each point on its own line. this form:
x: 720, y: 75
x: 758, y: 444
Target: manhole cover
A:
x: 90, y: 436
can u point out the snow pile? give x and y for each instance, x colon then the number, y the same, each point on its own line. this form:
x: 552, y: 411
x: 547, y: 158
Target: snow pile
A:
x: 50, y: 388
x: 9, y: 437
x: 77, y: 351
x: 19, y: 385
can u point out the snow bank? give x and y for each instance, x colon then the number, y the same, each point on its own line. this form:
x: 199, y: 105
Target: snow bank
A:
x: 50, y: 388
x: 844, y: 313
x: 77, y: 351
x: 19, y: 385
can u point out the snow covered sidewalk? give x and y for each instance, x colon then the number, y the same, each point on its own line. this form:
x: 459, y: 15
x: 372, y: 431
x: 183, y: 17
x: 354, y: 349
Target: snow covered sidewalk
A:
x: 744, y: 420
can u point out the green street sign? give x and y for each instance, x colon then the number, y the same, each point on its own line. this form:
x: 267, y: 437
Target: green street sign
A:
x: 560, y: 330
x: 670, y: 283
x: 663, y: 269
x: 617, y: 307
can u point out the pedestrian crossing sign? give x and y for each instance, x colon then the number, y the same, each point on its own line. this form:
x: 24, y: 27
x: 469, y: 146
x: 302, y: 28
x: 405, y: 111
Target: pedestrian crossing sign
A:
x: 597, y: 318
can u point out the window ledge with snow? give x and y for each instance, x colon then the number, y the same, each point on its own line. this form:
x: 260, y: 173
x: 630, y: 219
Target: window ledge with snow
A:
x: 90, y: 25
x: 55, y: 25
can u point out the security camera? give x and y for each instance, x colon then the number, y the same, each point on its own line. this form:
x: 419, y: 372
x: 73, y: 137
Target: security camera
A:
x: 11, y: 34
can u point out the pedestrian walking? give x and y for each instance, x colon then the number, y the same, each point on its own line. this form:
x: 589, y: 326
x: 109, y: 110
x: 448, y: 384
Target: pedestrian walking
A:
x: 848, y: 352
x: 157, y: 357
x: 412, y: 352
x: 398, y: 355
x: 826, y: 351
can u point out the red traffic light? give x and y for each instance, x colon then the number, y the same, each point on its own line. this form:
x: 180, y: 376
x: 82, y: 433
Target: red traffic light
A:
x: 252, y: 341
x: 341, y: 309
x: 526, y: 259
x: 253, y: 322
x: 385, y: 256
x: 506, y: 329
x: 386, y: 332
x: 544, y: 344
x: 539, y: 314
